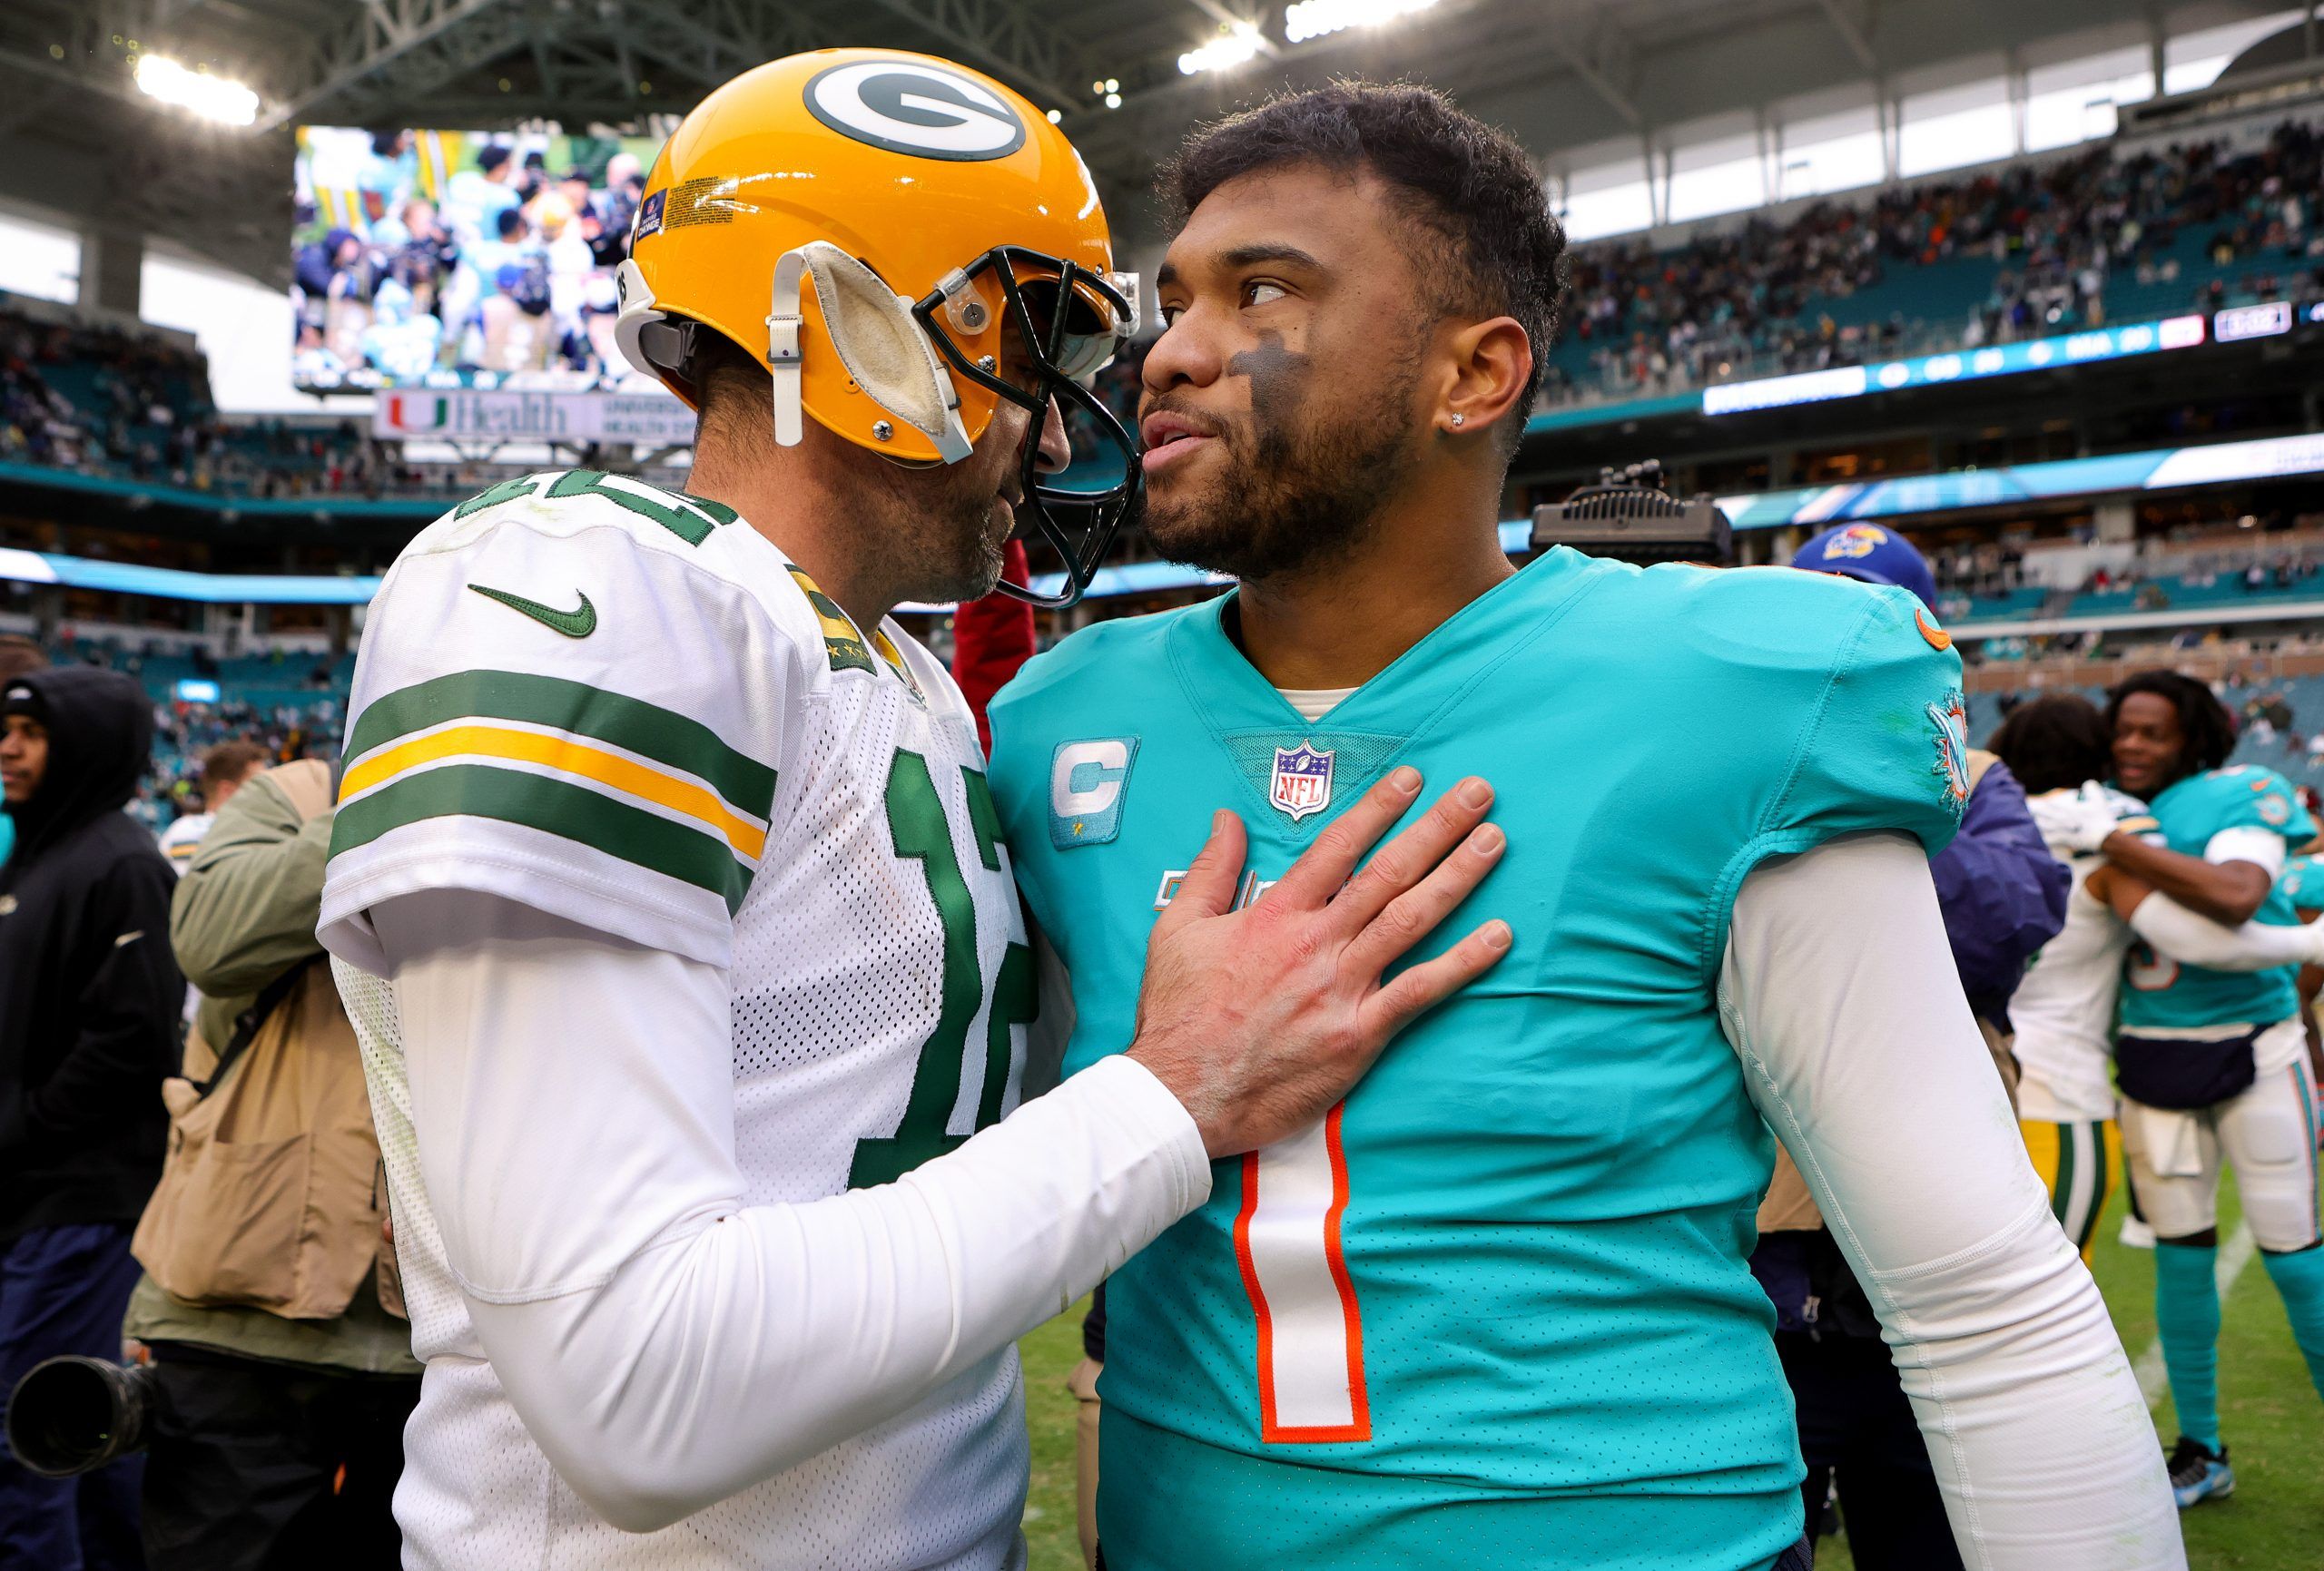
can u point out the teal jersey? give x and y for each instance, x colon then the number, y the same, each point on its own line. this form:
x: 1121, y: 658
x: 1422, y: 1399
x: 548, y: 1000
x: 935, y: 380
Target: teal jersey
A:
x: 2162, y: 993
x: 2302, y: 883
x: 7, y: 838
x: 1493, y: 1312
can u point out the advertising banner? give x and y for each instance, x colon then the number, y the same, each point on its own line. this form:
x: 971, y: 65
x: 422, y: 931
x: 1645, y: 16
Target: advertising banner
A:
x: 648, y: 419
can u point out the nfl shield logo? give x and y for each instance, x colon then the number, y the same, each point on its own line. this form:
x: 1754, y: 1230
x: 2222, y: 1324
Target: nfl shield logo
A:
x: 1303, y: 781
x: 649, y: 216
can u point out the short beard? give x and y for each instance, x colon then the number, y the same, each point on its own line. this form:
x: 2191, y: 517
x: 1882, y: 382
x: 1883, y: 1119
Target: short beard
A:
x: 943, y: 546
x: 1294, y: 493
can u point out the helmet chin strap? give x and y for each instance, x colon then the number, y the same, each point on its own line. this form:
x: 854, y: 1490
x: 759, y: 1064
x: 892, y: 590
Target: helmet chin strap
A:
x: 782, y: 325
x: 872, y: 329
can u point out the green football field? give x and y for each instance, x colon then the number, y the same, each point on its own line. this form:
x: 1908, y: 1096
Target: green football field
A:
x: 2274, y: 1423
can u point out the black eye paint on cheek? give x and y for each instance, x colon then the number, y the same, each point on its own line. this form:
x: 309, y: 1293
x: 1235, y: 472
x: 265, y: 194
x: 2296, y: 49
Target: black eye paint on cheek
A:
x: 1276, y: 370
x: 1281, y: 379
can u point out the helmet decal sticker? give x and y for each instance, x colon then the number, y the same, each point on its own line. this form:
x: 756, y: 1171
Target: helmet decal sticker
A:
x: 909, y: 107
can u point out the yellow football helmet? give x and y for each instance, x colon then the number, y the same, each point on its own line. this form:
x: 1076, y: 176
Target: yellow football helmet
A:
x: 903, y: 243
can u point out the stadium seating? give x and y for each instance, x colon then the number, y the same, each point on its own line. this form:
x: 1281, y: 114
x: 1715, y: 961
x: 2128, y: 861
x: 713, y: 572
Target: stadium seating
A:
x: 112, y: 404
x: 2190, y: 570
x: 292, y: 702
x: 266, y: 681
x: 2037, y: 248
x: 2279, y: 747
x: 1938, y: 264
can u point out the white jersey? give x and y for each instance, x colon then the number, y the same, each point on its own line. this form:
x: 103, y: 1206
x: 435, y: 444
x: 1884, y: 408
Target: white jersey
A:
x: 183, y: 838
x: 622, y: 707
x: 2063, y: 1010
x: 180, y: 841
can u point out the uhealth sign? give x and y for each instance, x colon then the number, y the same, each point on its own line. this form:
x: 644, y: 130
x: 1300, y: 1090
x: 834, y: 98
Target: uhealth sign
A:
x: 458, y: 415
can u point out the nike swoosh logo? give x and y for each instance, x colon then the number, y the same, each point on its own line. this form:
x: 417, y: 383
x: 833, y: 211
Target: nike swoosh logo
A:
x: 577, y: 624
x: 1937, y: 637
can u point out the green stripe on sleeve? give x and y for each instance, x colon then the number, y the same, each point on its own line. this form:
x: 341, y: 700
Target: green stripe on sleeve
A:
x: 2062, y: 1197
x: 644, y: 729
x: 556, y: 807
x: 2100, y: 1172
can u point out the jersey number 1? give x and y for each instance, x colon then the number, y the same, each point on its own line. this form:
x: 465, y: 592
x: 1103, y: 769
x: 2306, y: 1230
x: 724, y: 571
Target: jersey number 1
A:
x: 1295, y: 1272
x: 924, y: 834
x: 1310, y: 1330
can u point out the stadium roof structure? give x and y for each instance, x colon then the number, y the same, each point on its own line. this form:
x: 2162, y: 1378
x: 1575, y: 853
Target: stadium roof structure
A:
x: 77, y: 138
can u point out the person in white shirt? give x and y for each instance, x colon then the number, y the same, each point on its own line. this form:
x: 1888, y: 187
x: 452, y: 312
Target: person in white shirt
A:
x: 2210, y: 1055
x: 224, y: 768
x: 2058, y: 747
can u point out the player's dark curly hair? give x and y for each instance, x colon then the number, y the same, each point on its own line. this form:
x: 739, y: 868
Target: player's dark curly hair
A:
x: 1483, y: 235
x: 2206, y: 730
x: 2054, y: 744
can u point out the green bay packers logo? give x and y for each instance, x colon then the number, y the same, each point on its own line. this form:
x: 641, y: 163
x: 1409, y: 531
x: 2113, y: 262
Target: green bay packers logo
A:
x: 909, y: 107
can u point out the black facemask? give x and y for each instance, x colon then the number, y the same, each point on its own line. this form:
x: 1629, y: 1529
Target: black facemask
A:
x: 1079, y: 526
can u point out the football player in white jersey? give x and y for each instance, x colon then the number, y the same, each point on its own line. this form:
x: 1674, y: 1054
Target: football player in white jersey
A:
x: 668, y: 900
x: 224, y: 768
x: 2059, y: 747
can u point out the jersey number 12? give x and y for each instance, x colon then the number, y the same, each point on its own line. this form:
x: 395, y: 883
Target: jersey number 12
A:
x: 924, y: 834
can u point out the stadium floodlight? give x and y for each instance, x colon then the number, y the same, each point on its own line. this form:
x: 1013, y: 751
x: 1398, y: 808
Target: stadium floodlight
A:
x: 218, y: 98
x: 1315, y: 18
x: 1224, y: 52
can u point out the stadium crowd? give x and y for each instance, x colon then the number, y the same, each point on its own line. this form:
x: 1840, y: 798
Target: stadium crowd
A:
x: 1756, y: 299
x: 253, y: 705
x: 505, y: 266
x: 423, y: 285
x: 105, y: 401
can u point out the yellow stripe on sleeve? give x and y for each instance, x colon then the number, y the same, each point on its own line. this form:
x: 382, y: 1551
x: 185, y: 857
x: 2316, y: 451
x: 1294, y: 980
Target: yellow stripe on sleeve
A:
x: 561, y: 754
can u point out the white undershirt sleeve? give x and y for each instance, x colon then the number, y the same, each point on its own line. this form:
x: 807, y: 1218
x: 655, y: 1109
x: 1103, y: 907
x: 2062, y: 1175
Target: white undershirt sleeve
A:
x: 2248, y: 843
x: 1839, y: 994
x: 664, y: 1344
x: 2196, y: 940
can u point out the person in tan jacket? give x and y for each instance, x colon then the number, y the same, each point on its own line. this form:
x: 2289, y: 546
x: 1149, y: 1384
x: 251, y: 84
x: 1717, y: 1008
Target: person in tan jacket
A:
x: 270, y: 1300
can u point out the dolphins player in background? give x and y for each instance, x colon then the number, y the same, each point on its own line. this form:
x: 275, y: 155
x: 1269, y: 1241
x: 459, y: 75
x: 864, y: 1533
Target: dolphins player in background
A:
x: 2303, y: 885
x: 2212, y: 1065
x: 2060, y: 747
x: 1492, y: 1310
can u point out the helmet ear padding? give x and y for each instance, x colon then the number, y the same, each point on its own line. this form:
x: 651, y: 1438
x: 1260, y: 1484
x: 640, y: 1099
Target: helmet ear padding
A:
x: 634, y: 313
x: 871, y: 328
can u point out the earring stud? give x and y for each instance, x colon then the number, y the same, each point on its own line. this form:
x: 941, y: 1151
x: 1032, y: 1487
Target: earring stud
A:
x: 1459, y: 418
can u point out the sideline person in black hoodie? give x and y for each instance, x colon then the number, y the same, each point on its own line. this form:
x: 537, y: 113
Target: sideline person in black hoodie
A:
x: 90, y: 998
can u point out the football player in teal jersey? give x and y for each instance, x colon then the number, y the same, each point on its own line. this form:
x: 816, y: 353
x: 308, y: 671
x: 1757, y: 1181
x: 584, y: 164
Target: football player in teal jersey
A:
x: 2303, y: 885
x: 1493, y: 1311
x: 2212, y: 1065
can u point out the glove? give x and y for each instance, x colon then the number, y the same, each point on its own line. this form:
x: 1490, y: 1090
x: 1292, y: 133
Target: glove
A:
x: 2076, y: 822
